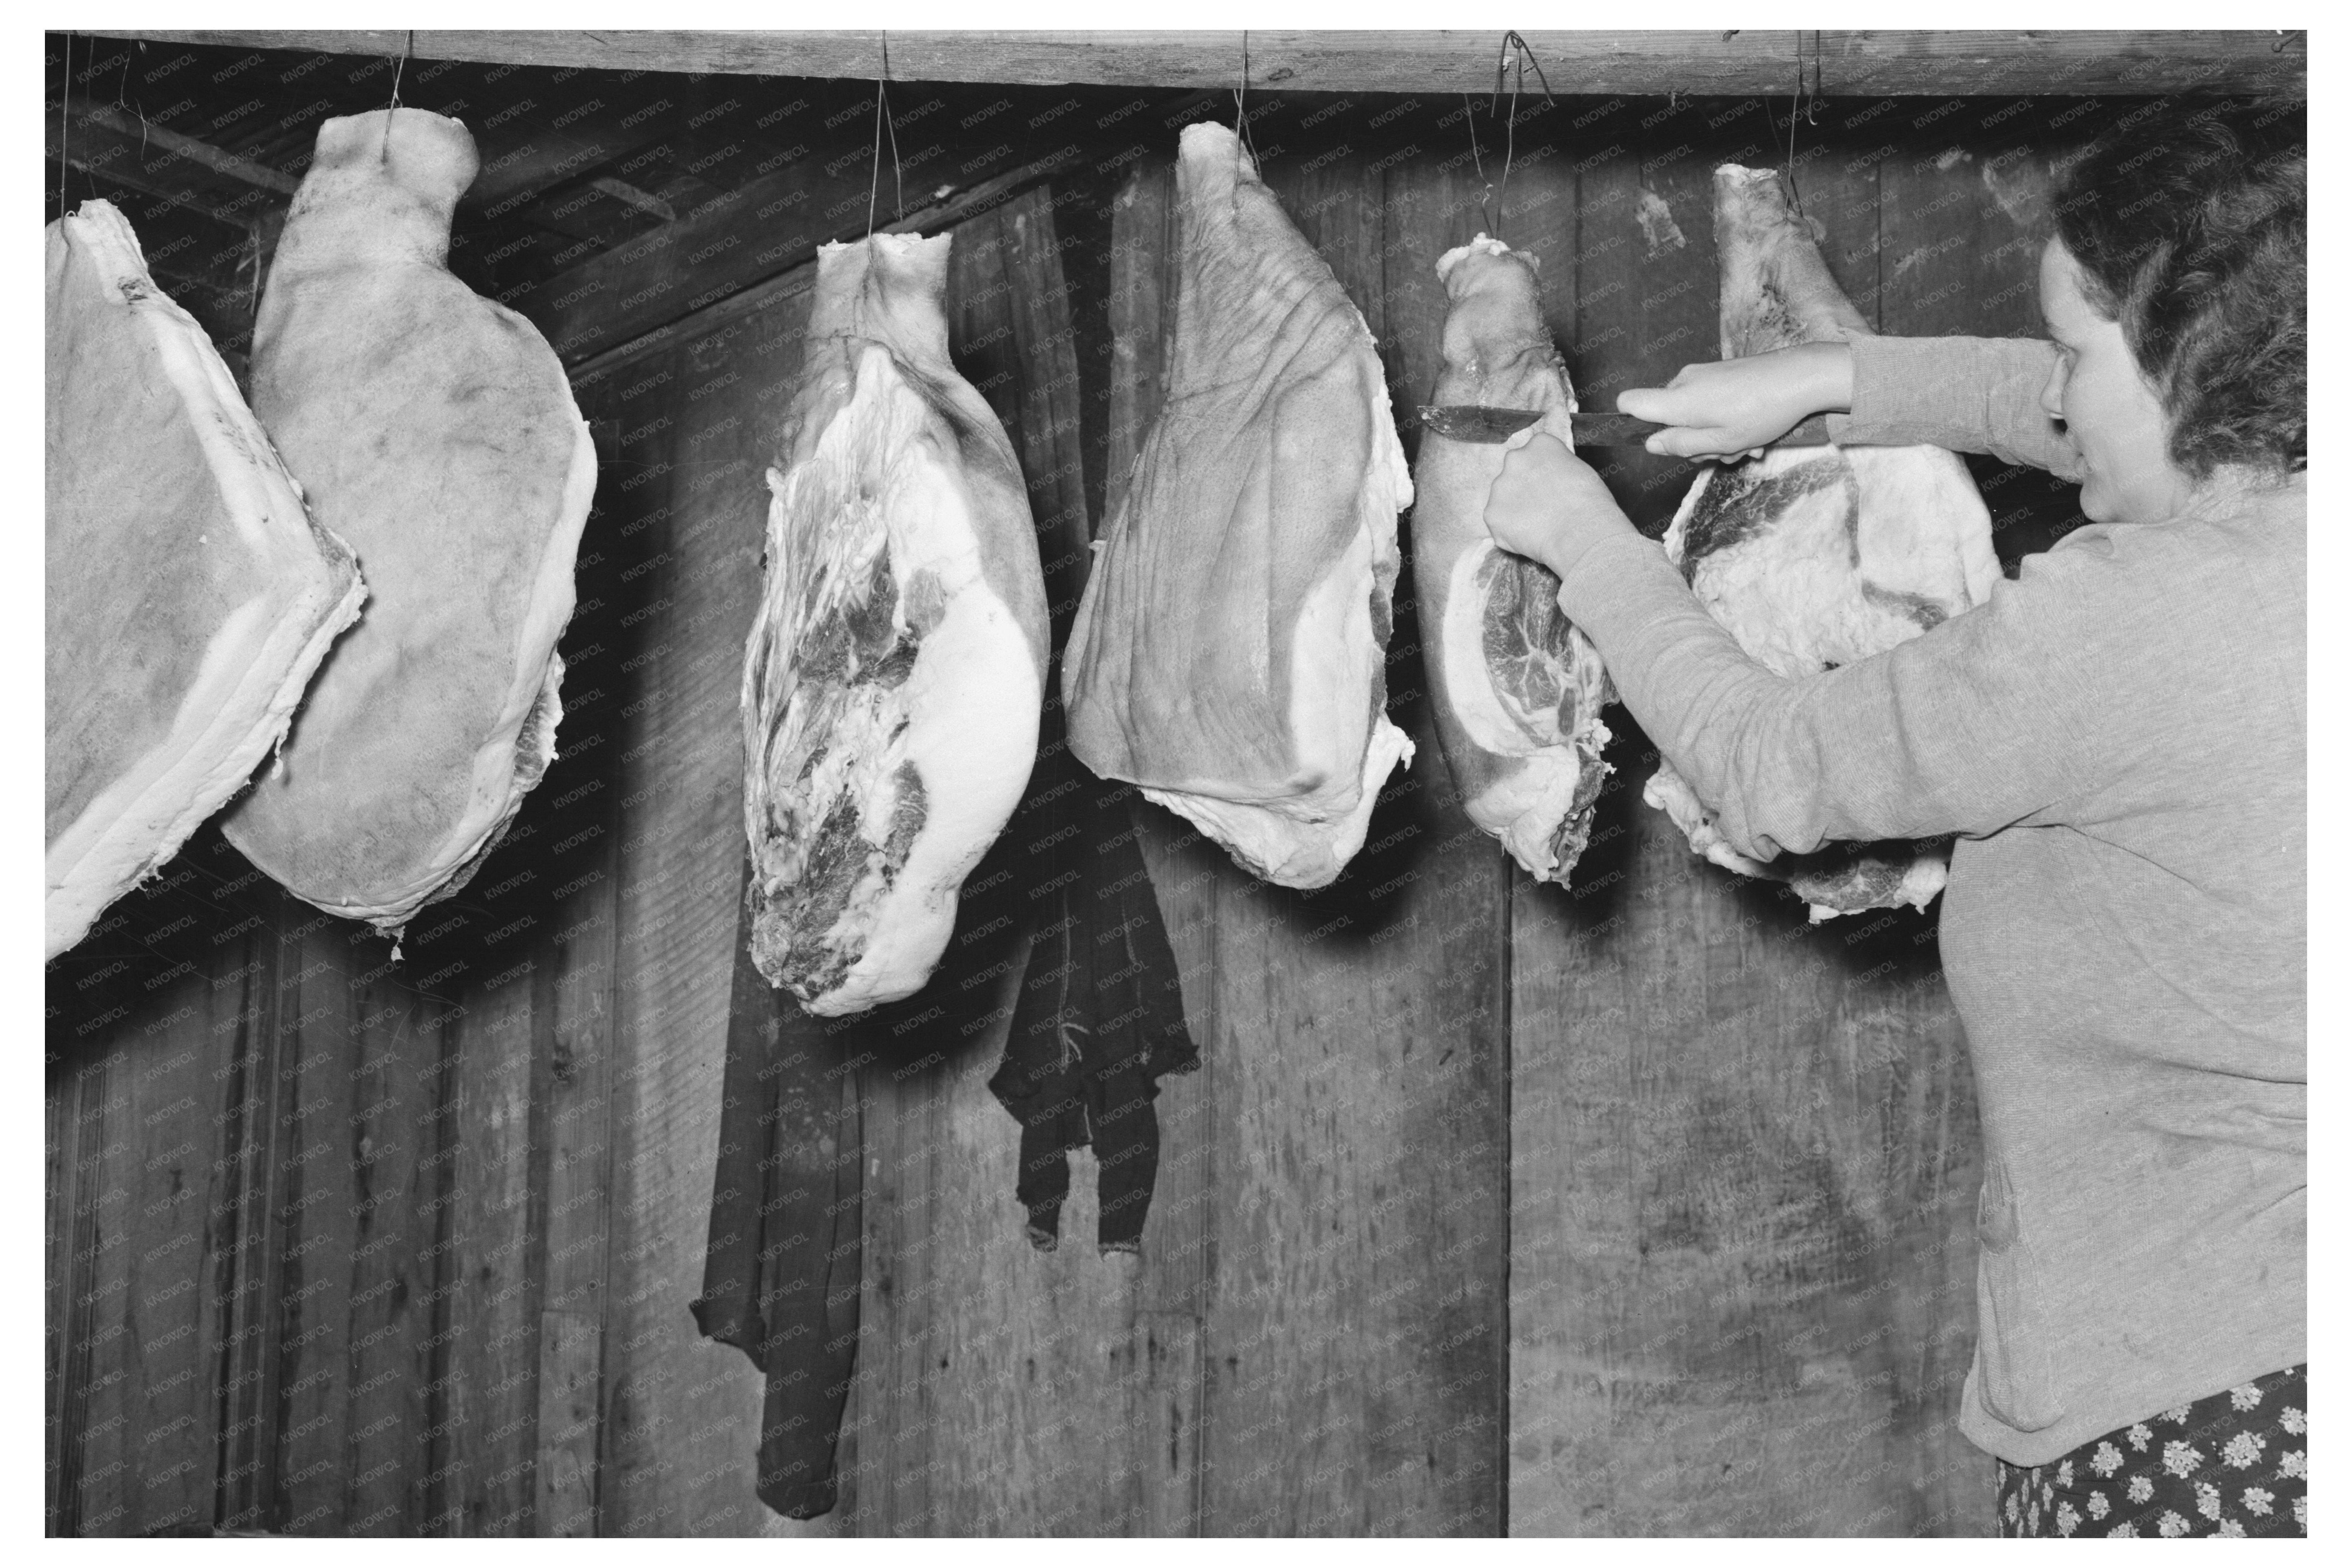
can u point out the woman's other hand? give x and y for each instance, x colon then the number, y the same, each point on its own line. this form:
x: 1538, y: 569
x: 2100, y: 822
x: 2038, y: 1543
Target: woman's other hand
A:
x: 1547, y: 505
x: 1731, y: 406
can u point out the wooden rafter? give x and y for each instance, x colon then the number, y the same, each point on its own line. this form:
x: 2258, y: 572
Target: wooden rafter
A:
x: 795, y: 271
x: 106, y: 142
x: 1838, y: 63
x: 110, y: 144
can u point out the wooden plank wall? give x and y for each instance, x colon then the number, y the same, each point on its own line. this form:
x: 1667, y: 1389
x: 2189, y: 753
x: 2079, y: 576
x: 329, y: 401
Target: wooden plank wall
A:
x: 337, y: 1247
x: 1744, y: 1159
x: 318, y: 1235
x: 1353, y: 1329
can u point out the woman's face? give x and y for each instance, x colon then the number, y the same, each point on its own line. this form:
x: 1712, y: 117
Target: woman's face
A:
x: 2114, y: 417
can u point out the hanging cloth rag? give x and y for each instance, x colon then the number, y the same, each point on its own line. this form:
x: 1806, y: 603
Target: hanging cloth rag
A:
x: 1100, y: 1015
x: 780, y: 1271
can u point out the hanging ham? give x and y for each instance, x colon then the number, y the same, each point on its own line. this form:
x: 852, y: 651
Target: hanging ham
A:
x: 896, y: 669
x: 1814, y: 557
x: 189, y: 595
x: 1227, y: 654
x: 436, y: 431
x: 1518, y: 691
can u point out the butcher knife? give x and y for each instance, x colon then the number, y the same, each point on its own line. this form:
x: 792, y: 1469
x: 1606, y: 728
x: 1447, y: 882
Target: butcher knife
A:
x: 1490, y: 426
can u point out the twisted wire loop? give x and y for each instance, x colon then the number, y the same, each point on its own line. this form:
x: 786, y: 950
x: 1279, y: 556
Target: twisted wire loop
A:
x: 391, y: 109
x: 1241, y: 103
x: 1515, y: 65
x: 883, y: 118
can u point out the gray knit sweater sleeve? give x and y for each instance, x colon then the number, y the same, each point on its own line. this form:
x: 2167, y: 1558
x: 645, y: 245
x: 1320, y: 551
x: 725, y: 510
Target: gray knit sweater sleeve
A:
x: 1990, y: 719
x: 1984, y: 722
x: 1966, y: 394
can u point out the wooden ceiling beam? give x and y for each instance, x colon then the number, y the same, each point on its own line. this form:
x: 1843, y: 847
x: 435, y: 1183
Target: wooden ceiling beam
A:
x: 1837, y: 63
x: 105, y: 142
x: 160, y: 143
x: 156, y: 161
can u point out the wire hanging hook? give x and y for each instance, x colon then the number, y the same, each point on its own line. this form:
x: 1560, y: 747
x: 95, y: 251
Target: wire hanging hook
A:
x: 391, y: 109
x: 1470, y: 120
x: 65, y: 106
x: 1240, y: 93
x: 1241, y: 103
x: 1505, y: 61
x: 121, y: 102
x: 882, y: 119
x: 1516, y: 65
x: 1789, y: 162
x: 401, y: 65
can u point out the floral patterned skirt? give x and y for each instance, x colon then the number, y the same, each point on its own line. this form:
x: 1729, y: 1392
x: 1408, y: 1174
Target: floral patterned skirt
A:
x: 2230, y: 1464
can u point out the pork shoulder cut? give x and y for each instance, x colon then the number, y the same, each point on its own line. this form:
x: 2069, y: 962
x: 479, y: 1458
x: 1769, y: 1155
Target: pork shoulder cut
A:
x: 435, y: 430
x: 1227, y: 655
x: 190, y: 597
x: 896, y: 670
x: 1816, y: 557
x: 1518, y: 691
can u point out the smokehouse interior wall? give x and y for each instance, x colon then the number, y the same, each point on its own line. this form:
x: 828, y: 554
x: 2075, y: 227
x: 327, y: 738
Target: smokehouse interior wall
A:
x: 1636, y: 1206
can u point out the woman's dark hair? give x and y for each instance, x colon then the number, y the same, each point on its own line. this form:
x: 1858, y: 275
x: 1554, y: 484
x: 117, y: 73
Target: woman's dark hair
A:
x: 2187, y: 225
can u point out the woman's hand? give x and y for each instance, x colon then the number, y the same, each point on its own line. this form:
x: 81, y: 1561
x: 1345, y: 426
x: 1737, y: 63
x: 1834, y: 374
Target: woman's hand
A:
x: 1547, y: 505
x: 1736, y: 406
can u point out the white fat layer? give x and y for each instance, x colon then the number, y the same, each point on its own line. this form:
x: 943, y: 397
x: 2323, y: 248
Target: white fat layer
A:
x: 1344, y: 750
x: 1279, y: 847
x: 1798, y: 595
x: 254, y: 671
x: 1333, y: 662
x: 1667, y: 792
x: 1793, y: 596
x: 259, y: 495
x: 1488, y: 716
x: 1529, y: 788
x: 1480, y: 246
x: 1925, y: 530
x: 247, y: 686
x: 495, y: 793
x: 1920, y: 884
x: 972, y: 698
x: 1525, y: 805
x: 497, y: 790
x: 1525, y: 808
x: 1924, y: 880
x: 1305, y: 840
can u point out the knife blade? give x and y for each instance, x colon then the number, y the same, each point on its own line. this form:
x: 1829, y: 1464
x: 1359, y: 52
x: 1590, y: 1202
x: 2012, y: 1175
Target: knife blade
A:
x: 1489, y: 425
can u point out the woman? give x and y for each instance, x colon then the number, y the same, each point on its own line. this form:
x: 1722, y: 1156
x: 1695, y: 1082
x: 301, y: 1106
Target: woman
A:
x: 2117, y: 737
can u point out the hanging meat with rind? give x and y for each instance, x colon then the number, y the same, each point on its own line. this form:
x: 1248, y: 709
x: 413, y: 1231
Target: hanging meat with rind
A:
x: 190, y: 597
x: 436, y: 431
x: 1816, y: 557
x: 1228, y: 652
x: 1518, y: 691
x: 896, y: 671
